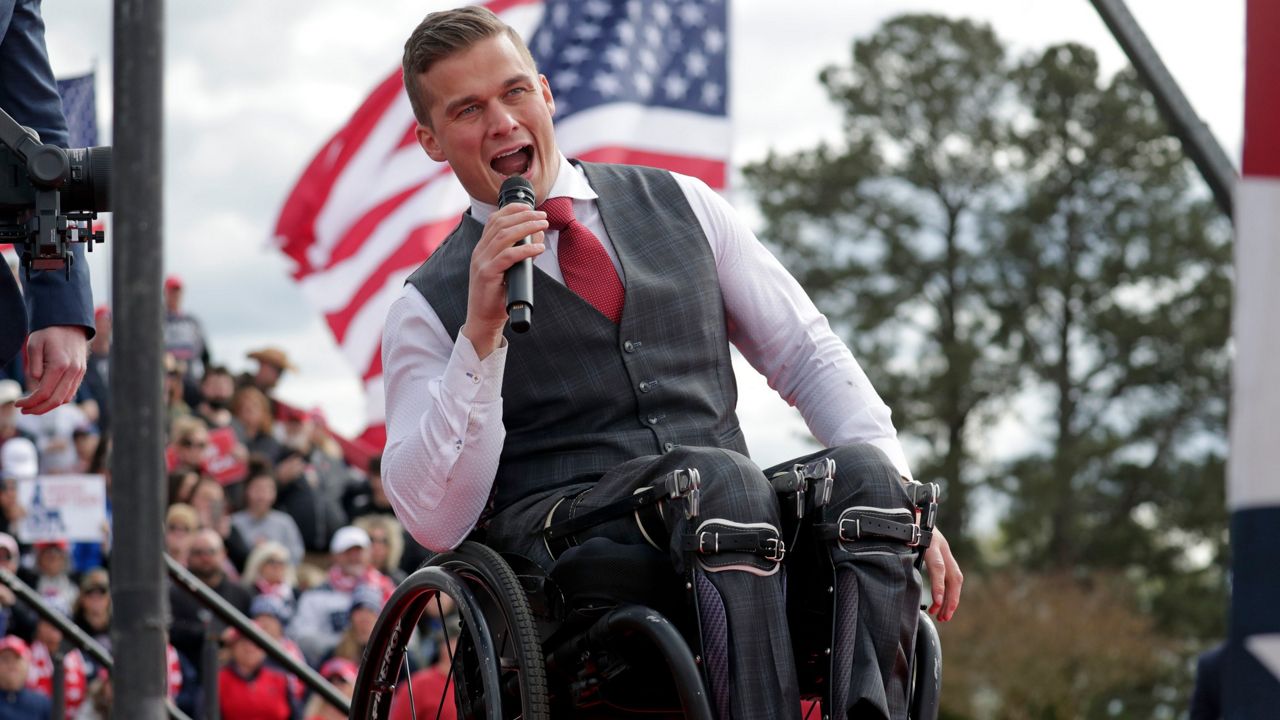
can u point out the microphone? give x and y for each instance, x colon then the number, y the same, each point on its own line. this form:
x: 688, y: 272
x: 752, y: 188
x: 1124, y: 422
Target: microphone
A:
x: 519, y: 276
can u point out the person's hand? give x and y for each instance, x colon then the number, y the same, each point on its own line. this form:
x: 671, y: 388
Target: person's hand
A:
x: 56, y: 360
x: 7, y: 598
x: 493, y: 256
x: 945, y: 578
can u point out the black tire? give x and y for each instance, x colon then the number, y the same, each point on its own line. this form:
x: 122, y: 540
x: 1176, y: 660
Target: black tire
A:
x: 496, y: 624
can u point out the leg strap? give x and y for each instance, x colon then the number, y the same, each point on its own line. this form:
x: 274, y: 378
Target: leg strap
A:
x: 716, y: 536
x: 684, y: 483
x: 857, y: 524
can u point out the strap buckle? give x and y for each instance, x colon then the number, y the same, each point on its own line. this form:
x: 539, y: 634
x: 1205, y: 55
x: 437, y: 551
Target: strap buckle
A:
x: 915, y: 536
x: 686, y: 483
x: 774, y: 549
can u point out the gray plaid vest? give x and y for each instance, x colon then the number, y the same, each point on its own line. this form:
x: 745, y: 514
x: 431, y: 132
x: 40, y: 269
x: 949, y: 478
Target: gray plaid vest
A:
x: 582, y: 395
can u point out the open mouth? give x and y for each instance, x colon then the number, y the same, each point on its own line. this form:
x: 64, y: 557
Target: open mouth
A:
x: 516, y: 162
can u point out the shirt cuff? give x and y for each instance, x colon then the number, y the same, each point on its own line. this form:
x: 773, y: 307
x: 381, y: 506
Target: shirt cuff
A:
x: 473, y: 379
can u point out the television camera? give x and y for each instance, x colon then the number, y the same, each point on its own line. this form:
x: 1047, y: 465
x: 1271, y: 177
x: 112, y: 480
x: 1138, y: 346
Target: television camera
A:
x: 49, y: 196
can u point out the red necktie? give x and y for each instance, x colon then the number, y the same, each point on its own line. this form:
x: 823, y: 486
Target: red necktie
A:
x: 585, y: 265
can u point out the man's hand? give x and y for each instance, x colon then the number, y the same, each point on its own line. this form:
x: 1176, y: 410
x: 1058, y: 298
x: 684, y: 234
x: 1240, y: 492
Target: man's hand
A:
x: 945, y: 577
x: 493, y: 256
x: 56, y: 360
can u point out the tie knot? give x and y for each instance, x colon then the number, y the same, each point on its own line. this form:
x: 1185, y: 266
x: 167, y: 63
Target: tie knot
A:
x: 559, y: 212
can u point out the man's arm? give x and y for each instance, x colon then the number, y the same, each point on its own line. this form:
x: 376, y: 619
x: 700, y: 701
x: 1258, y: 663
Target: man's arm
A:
x: 782, y: 334
x: 444, y: 399
x: 777, y: 328
x: 61, y: 306
x: 444, y: 424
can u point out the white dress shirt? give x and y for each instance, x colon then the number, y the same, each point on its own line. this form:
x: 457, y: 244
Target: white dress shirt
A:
x: 444, y: 404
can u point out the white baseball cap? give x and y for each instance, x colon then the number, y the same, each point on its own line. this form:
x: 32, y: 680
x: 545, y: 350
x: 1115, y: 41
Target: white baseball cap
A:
x: 19, y: 459
x: 347, y: 538
x: 10, y: 391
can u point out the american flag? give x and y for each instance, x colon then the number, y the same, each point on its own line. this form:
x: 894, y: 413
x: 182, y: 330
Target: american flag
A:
x: 635, y: 81
x: 80, y: 106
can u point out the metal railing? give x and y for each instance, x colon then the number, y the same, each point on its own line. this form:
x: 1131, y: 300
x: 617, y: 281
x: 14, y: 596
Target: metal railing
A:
x: 72, y: 633
x: 234, y: 618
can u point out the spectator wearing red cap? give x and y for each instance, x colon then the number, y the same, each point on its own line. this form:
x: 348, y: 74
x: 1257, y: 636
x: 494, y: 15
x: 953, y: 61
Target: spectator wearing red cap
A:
x: 40, y: 676
x: 17, y: 701
x: 342, y: 674
x: 183, y: 334
x: 248, y: 689
x: 52, y: 577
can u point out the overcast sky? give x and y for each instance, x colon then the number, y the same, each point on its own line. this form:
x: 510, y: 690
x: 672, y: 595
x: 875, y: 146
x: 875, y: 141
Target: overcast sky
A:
x: 254, y: 88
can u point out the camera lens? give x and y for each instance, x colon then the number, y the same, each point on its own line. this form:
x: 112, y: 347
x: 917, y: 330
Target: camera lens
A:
x: 89, y: 186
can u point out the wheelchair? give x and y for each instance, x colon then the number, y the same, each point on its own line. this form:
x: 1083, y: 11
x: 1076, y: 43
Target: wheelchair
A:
x: 603, y: 634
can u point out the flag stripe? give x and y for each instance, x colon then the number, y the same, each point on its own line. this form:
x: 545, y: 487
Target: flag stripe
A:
x: 1262, y: 102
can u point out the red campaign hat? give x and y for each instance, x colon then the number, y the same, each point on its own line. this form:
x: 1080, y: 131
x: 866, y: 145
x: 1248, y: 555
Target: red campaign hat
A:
x: 101, y: 311
x: 173, y: 281
x: 15, y: 643
x: 341, y: 667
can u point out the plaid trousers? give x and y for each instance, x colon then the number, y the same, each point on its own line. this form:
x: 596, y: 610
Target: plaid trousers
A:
x: 875, y: 584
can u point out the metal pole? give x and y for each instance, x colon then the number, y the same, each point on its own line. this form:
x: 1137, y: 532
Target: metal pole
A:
x: 140, y: 617
x: 235, y: 619
x: 1197, y: 139
x: 59, y: 659
x: 209, y: 667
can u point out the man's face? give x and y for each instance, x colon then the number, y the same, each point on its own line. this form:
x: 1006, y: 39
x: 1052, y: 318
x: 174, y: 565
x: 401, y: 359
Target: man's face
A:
x: 268, y: 375
x: 51, y: 561
x: 353, y: 561
x: 172, y: 299
x: 191, y: 448
x: 246, y: 654
x: 13, y: 671
x: 490, y: 119
x: 218, y: 387
x: 204, y: 558
x: 261, y: 493
x: 8, y: 561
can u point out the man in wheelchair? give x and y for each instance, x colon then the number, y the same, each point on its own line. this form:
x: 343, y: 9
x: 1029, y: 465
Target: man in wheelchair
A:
x: 614, y: 416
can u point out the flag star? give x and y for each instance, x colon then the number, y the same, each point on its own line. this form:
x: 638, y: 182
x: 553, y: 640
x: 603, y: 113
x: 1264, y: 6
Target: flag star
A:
x: 661, y: 14
x: 711, y: 94
x: 653, y: 35
x: 649, y: 60
x: 560, y: 15
x: 607, y: 84
x: 696, y: 64
x: 617, y: 56
x: 714, y: 40
x: 626, y: 33
x: 596, y: 9
x: 568, y: 79
x: 587, y: 31
x: 692, y: 14
x: 675, y: 87
x: 544, y: 44
x: 644, y: 85
x: 575, y: 54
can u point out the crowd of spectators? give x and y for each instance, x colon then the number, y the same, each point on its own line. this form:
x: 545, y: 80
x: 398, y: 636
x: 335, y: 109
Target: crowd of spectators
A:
x: 264, y: 507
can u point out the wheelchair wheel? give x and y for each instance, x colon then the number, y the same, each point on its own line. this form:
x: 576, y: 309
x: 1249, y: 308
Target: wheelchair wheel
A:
x: 494, y: 667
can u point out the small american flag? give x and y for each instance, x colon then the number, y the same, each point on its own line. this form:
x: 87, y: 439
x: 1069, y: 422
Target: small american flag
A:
x: 636, y: 81
x: 80, y: 106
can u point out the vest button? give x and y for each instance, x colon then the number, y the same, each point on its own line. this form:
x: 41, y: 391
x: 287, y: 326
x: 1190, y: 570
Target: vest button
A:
x: 644, y: 387
x: 652, y: 419
x: 668, y: 447
x: 629, y: 346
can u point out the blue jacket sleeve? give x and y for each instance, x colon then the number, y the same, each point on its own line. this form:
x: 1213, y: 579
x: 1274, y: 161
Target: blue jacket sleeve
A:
x: 29, y: 94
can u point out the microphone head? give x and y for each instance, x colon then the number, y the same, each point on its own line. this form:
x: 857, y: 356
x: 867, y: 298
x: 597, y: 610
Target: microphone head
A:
x: 516, y: 189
